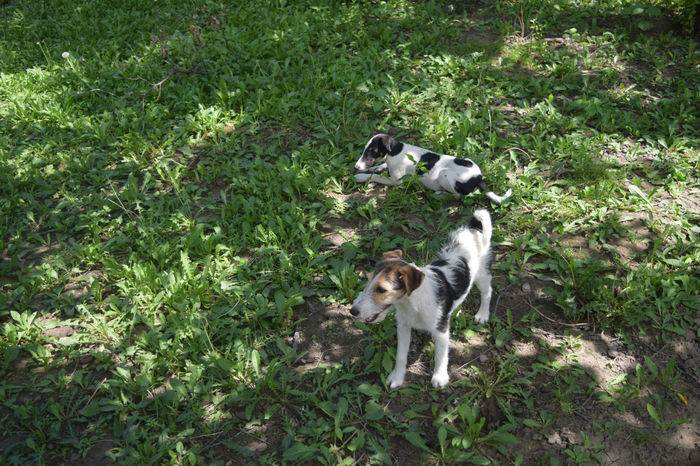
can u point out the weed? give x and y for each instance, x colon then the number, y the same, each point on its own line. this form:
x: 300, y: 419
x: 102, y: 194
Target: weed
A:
x: 343, y: 275
x: 586, y: 453
x: 466, y: 437
x: 656, y: 408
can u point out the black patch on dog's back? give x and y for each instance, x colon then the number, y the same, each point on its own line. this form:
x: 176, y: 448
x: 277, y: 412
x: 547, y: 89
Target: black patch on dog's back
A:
x: 445, y: 298
x: 428, y: 161
x: 468, y: 186
x: 449, y: 290
x: 460, y: 277
x: 464, y: 162
x: 439, y: 262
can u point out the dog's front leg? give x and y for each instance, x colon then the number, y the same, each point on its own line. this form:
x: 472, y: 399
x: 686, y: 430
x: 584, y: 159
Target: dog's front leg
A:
x: 442, y: 348
x: 395, y: 379
x: 378, y: 168
x: 362, y: 177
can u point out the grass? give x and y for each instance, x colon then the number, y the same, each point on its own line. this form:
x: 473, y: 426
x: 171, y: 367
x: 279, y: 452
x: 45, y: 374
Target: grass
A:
x: 169, y: 172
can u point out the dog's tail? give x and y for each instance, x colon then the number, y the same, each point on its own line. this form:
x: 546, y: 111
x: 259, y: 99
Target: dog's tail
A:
x: 481, y: 221
x: 493, y: 196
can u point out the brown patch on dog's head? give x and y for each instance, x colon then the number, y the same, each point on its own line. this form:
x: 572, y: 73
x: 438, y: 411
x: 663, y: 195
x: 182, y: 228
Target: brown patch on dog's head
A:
x: 395, y: 278
x: 412, y: 278
x: 390, y: 255
x: 389, y: 282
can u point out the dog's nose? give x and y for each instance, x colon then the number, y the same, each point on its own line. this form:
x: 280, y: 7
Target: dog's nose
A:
x: 354, y: 311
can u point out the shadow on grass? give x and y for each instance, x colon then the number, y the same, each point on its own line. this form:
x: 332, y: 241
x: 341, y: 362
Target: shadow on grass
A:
x: 188, y: 261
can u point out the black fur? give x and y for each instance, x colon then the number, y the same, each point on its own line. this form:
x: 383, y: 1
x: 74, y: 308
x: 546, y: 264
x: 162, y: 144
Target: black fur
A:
x: 470, y: 185
x: 382, y: 146
x: 439, y: 262
x: 475, y: 224
x: 396, y: 148
x: 445, y: 298
x: 397, y: 283
x: 449, y: 290
x: 460, y: 277
x: 427, y: 161
x: 464, y: 162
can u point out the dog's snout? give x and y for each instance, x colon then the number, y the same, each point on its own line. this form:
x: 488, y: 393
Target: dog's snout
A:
x: 354, y: 311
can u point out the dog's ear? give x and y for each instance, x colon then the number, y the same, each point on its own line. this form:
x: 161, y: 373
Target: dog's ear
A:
x: 395, y: 254
x: 412, y: 278
x: 388, y: 142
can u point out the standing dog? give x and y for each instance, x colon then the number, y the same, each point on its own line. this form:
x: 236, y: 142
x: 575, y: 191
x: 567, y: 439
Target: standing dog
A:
x: 425, y: 297
x: 442, y: 173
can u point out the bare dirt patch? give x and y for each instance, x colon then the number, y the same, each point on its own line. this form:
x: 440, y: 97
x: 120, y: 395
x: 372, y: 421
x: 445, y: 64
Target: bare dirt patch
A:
x: 627, y: 433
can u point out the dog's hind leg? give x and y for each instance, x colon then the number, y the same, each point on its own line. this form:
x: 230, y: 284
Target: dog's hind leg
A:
x: 403, y: 330
x: 442, y: 348
x: 483, y: 282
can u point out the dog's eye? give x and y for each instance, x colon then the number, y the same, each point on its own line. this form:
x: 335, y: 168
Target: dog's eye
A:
x: 380, y: 290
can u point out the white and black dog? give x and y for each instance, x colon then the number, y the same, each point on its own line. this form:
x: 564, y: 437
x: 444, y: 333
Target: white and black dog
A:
x: 425, y: 297
x: 441, y: 173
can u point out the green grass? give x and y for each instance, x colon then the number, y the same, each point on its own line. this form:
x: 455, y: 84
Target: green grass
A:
x: 168, y: 169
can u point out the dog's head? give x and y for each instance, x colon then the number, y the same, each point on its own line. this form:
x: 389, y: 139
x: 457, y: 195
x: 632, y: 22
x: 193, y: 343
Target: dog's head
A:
x: 392, y: 280
x: 377, y: 148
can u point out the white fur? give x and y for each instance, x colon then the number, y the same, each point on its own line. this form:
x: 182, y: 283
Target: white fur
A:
x: 421, y: 309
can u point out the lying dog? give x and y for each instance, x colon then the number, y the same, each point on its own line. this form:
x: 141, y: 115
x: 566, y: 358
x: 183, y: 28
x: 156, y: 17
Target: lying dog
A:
x: 442, y: 173
x: 425, y: 297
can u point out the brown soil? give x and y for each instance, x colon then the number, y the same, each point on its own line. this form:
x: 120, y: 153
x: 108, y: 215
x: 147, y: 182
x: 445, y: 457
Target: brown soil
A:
x: 328, y: 334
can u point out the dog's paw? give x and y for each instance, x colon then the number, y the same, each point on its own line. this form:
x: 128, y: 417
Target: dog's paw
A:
x: 395, y: 379
x: 481, y: 317
x: 362, y: 177
x: 440, y: 380
x: 378, y: 168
